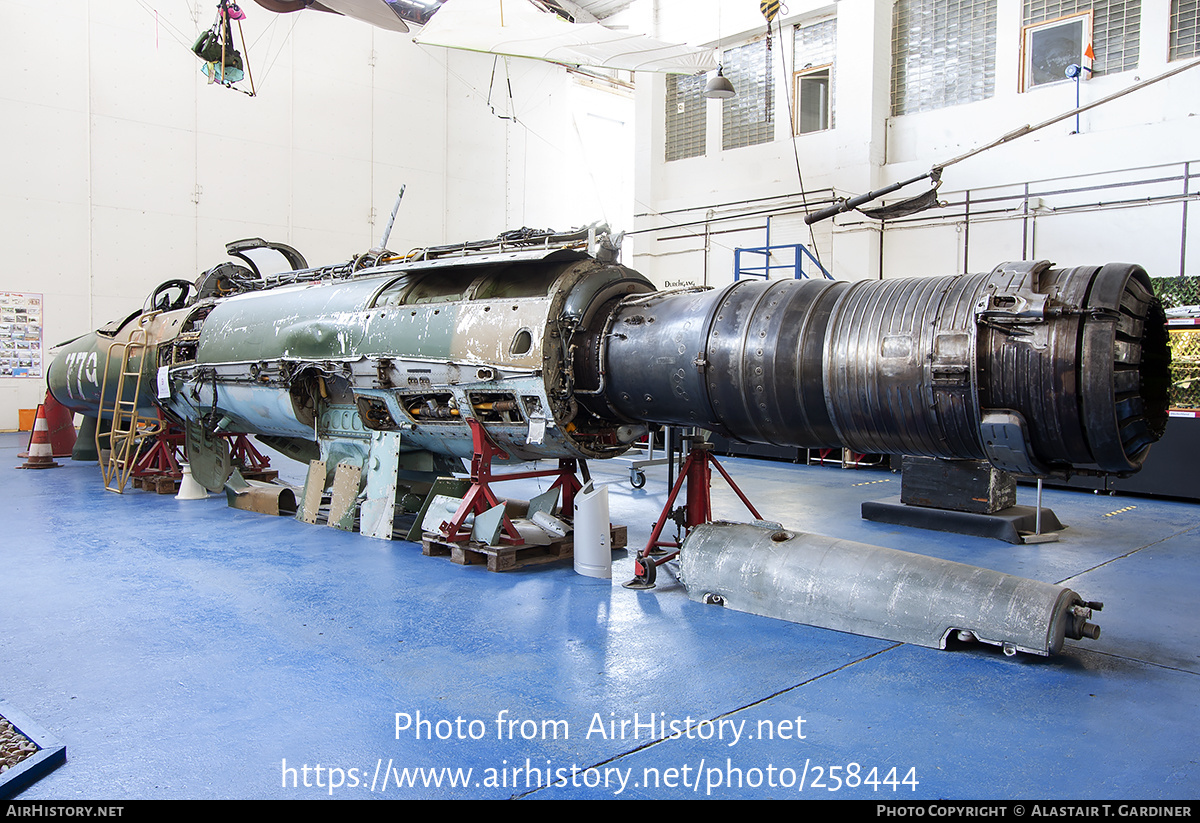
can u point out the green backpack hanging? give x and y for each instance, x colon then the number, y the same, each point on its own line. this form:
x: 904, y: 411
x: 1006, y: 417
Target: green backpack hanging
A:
x: 208, y: 46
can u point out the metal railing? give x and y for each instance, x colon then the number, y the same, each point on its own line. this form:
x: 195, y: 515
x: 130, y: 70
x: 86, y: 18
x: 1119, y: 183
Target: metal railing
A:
x: 793, y: 257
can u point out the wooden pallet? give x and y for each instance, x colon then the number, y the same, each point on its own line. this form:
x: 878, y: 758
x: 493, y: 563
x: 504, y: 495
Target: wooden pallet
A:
x: 157, y: 483
x: 508, y: 558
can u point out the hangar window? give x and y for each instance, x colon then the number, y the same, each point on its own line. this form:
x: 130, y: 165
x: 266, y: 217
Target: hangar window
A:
x: 1116, y: 28
x: 814, y: 48
x: 813, y: 104
x: 943, y: 53
x: 1048, y: 50
x: 1185, y: 28
x: 685, y: 116
x: 748, y: 118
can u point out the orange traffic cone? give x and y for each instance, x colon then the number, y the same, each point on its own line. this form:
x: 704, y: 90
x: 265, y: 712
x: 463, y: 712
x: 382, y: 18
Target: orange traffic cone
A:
x: 40, y: 456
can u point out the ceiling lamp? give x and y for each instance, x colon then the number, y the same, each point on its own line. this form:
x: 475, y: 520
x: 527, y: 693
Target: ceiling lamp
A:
x: 719, y: 87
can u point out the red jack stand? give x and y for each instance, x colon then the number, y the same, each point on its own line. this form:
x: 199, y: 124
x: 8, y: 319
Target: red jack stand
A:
x: 161, y: 460
x: 697, y: 509
x: 479, y: 498
x: 243, y: 455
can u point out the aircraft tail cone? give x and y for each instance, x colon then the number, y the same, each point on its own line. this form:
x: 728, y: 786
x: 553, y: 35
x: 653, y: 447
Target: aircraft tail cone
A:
x: 40, y: 454
x: 189, y: 489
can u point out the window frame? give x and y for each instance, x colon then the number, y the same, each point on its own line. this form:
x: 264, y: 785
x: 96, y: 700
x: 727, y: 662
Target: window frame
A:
x: 1184, y: 39
x: 827, y: 108
x: 1085, y: 20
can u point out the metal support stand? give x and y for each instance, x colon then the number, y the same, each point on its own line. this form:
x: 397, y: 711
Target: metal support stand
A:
x: 697, y: 509
x: 1038, y: 536
x: 637, y: 468
x: 479, y: 497
x: 243, y: 454
x: 161, y: 459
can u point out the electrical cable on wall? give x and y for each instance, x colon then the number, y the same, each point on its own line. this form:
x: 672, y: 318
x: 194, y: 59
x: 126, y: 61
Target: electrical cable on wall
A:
x: 770, y: 8
x: 174, y: 31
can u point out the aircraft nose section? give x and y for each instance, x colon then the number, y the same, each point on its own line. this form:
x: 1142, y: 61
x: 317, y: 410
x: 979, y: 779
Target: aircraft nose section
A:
x: 74, y: 376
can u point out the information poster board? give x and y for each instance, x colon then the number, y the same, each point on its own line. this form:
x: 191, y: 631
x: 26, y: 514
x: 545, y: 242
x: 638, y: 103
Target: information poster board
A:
x: 20, y: 334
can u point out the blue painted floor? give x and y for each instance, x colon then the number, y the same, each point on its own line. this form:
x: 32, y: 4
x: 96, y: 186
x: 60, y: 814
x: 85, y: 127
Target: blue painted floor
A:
x: 189, y: 650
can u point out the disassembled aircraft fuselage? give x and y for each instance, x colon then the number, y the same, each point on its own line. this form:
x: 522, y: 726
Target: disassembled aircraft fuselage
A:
x: 557, y: 353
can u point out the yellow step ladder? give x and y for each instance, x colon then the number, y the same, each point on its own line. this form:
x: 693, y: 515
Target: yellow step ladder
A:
x: 130, y: 430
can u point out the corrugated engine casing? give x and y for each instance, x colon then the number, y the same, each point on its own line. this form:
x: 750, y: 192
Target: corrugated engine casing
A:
x: 1070, y: 360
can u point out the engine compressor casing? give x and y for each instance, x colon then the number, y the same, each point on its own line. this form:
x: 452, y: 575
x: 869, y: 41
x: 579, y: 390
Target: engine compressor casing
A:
x: 1036, y: 369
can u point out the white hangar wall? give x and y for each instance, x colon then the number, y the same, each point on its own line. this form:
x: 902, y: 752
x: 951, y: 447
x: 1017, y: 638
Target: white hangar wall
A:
x: 124, y: 169
x: 1115, y: 191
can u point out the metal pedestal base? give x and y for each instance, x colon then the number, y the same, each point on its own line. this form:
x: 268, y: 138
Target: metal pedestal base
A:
x: 1016, y: 524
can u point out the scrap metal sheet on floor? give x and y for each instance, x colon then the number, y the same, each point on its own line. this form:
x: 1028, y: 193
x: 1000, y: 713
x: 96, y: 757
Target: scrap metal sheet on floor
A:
x: 183, y: 649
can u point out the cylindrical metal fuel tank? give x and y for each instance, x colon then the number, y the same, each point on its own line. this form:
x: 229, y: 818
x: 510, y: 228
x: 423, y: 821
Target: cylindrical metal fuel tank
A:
x: 1037, y: 369
x: 767, y: 570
